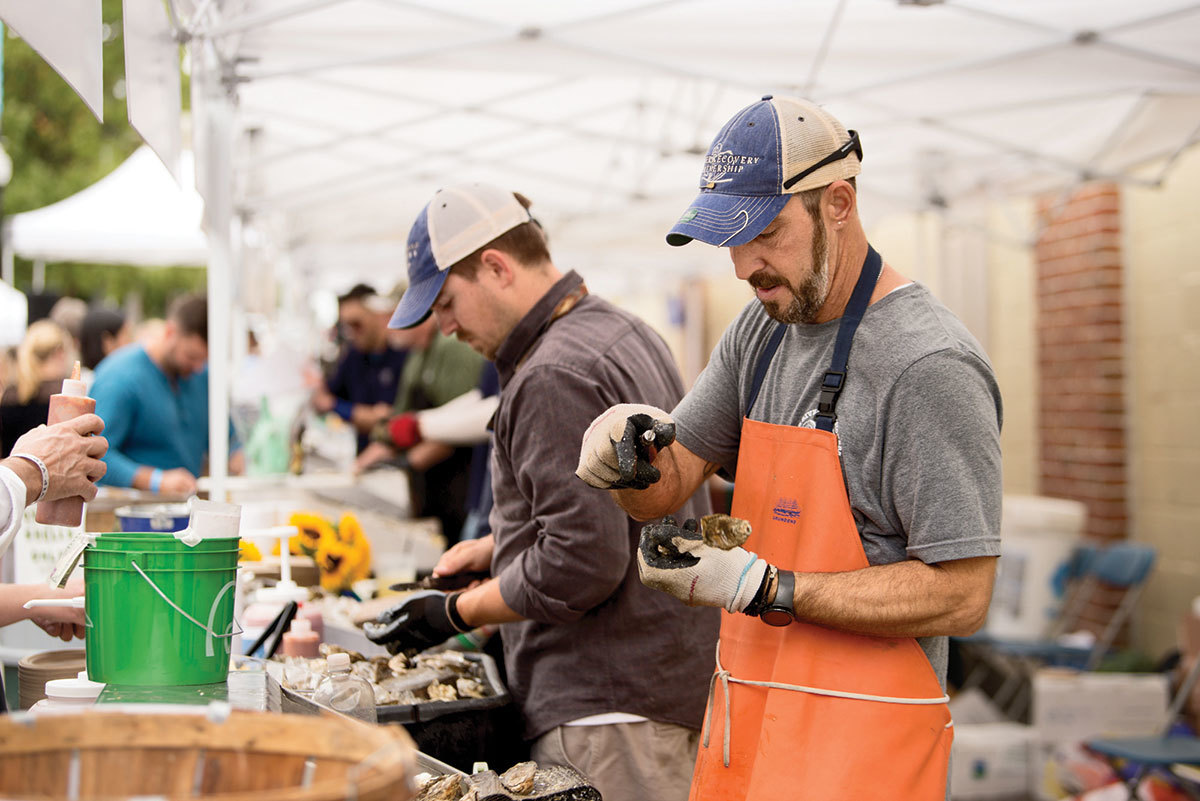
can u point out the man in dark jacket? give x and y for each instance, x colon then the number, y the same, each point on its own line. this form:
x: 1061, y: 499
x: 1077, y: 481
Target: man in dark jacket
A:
x: 610, y: 676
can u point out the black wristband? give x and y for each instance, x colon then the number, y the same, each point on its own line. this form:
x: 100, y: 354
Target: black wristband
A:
x: 759, y: 601
x: 456, y: 619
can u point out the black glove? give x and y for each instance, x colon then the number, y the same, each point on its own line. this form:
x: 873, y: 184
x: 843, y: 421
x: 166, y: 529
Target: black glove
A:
x: 615, y: 453
x: 634, y: 452
x: 420, y: 621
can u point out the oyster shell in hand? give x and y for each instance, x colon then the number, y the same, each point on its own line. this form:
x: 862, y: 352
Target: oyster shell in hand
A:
x: 723, y: 531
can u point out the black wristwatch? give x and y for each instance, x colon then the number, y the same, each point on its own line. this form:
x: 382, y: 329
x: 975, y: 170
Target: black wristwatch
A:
x: 780, y: 612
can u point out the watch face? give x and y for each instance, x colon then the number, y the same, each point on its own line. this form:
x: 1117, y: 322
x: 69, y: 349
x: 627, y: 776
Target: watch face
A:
x: 776, y: 616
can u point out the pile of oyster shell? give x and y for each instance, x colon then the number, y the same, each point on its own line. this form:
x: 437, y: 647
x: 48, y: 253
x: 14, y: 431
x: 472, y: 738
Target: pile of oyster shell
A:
x: 400, y: 679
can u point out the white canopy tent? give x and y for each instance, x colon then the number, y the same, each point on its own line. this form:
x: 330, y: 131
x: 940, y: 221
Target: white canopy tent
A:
x: 136, y: 214
x: 349, y: 113
x: 322, y: 126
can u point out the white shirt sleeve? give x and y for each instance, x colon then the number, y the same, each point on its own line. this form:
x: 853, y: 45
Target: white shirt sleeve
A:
x: 12, y: 507
x: 461, y: 421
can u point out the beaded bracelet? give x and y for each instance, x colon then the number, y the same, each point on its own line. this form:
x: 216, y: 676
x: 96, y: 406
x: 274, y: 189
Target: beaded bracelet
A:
x: 41, y: 466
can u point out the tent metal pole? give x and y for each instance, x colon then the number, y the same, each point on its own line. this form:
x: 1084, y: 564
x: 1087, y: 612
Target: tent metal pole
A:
x: 250, y: 21
x: 1155, y: 19
x: 217, y: 160
x: 823, y: 50
x: 941, y: 70
x: 394, y: 57
x: 1149, y: 55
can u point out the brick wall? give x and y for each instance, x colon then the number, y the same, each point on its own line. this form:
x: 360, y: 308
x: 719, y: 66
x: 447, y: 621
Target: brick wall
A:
x: 1080, y: 355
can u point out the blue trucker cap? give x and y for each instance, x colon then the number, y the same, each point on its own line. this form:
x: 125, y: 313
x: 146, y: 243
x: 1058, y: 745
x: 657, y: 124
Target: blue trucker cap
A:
x: 766, y: 153
x: 456, y: 223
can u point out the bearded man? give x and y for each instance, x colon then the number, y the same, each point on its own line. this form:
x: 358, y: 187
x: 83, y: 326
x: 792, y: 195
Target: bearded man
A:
x: 870, y: 479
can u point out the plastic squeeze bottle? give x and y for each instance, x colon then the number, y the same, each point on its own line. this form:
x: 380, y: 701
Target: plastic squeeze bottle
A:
x: 301, y: 640
x: 70, y: 403
x: 344, y: 692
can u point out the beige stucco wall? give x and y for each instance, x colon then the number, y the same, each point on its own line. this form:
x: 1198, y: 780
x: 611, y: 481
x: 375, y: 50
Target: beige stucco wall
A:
x: 1162, y: 272
x: 1012, y: 343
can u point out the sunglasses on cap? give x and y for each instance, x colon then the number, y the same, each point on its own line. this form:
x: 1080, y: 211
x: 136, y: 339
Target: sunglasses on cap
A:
x: 853, y: 146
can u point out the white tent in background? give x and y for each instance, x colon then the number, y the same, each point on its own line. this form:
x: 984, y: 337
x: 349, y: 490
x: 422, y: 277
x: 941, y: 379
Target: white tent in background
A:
x: 136, y: 214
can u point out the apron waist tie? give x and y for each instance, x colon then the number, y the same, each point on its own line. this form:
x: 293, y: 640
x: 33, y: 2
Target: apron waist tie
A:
x: 725, y: 677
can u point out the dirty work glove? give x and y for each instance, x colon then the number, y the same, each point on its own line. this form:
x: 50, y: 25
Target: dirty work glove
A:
x: 677, y: 561
x: 614, y: 454
x: 419, y: 621
x: 404, y: 430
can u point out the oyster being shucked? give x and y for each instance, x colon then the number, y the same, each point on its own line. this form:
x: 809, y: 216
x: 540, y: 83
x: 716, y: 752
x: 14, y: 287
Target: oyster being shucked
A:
x: 723, y: 531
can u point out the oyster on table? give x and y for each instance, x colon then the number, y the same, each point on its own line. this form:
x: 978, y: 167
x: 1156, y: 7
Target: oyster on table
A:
x: 441, y: 692
x: 723, y: 531
x: 444, y: 788
x: 470, y: 688
x: 519, y: 778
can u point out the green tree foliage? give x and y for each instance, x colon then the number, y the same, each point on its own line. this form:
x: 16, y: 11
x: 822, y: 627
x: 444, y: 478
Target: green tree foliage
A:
x: 58, y: 148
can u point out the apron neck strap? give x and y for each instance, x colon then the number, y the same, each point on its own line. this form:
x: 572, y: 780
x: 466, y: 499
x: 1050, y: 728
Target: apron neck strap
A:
x: 835, y: 377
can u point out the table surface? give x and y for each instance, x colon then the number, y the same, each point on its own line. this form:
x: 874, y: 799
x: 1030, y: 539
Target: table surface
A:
x: 253, y: 690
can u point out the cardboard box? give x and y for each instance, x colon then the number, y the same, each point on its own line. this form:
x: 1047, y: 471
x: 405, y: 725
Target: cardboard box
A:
x: 990, y: 761
x: 1070, y: 708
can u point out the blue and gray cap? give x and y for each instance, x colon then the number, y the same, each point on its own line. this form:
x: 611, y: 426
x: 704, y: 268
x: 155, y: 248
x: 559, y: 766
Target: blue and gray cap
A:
x: 456, y: 223
x: 768, y: 152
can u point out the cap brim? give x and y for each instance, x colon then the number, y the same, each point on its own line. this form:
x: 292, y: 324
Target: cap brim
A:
x: 726, y: 220
x: 414, y: 306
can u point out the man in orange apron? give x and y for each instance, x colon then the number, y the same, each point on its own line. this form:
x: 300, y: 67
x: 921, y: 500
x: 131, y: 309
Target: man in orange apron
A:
x: 861, y: 421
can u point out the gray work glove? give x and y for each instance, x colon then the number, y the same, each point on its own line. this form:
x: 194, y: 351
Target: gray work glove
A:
x: 676, y: 560
x: 615, y: 453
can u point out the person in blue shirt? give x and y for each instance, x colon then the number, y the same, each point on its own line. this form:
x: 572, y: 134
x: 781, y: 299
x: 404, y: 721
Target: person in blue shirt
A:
x: 364, y: 382
x: 153, y: 399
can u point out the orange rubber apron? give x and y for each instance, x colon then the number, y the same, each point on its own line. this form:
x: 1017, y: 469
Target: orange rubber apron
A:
x: 803, y: 711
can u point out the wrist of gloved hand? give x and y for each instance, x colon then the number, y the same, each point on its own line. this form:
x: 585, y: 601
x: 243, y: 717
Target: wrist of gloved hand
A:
x: 676, y: 560
x: 404, y: 430
x: 420, y: 621
x: 615, y: 453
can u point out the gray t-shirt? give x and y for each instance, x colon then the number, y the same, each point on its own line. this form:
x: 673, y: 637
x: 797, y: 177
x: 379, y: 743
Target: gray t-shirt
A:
x: 918, y: 423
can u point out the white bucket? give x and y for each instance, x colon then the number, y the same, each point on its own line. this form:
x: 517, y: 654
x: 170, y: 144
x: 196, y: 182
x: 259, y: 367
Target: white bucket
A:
x: 1037, y: 537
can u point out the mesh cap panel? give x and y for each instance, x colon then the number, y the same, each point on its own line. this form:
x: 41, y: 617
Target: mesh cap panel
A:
x: 809, y: 134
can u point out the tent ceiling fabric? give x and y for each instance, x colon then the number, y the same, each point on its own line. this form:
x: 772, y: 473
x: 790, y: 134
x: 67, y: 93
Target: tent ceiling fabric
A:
x: 352, y: 112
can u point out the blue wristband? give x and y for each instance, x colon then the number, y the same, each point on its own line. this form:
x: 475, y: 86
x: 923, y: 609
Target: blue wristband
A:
x: 156, y: 479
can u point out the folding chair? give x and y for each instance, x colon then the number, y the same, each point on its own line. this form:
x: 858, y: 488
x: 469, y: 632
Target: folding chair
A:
x: 1122, y: 567
x: 1163, y: 751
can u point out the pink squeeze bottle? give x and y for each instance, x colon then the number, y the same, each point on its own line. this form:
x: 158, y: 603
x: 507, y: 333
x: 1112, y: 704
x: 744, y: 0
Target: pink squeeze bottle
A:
x: 70, y: 403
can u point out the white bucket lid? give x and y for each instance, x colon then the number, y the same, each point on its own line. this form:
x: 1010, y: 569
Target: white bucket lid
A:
x: 79, y: 687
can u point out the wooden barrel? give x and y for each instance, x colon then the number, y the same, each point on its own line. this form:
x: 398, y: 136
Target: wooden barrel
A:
x: 249, y: 756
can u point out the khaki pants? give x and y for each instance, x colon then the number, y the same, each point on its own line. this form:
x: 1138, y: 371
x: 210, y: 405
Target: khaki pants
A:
x: 643, y: 761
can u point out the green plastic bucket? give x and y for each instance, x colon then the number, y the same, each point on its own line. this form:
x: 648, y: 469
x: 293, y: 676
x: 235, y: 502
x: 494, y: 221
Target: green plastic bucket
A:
x: 156, y: 541
x: 162, y: 614
x: 157, y: 560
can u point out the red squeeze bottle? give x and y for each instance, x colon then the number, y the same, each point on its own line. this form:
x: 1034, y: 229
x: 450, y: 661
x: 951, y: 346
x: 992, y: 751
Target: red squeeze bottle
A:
x: 71, y: 402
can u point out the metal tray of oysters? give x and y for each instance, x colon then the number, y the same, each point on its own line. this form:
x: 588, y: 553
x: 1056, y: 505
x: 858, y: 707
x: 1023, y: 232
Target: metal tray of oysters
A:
x: 408, y: 689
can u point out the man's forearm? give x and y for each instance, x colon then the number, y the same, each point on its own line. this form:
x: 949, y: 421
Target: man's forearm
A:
x: 425, y: 455
x: 904, y: 599
x: 485, y: 605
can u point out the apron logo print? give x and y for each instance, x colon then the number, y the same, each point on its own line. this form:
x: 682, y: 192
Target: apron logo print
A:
x: 787, y: 510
